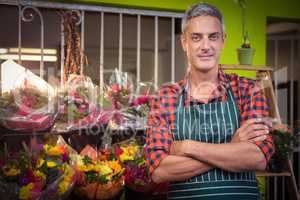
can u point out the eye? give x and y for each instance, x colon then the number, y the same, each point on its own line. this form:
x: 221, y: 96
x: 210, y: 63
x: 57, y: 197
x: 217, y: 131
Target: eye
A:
x: 214, y: 36
x: 196, y: 37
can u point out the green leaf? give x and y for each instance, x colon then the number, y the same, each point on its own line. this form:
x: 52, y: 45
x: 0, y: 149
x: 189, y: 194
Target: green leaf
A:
x: 91, y: 176
x: 102, y: 179
x: 87, y: 160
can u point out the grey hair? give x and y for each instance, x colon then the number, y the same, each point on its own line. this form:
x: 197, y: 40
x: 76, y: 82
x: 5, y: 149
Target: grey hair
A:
x: 202, y: 9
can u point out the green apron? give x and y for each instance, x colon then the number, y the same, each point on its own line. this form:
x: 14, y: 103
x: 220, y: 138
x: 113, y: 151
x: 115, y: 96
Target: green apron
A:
x: 214, y: 122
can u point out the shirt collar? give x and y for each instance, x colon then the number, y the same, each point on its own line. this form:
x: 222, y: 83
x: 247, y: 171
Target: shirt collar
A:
x: 222, y: 87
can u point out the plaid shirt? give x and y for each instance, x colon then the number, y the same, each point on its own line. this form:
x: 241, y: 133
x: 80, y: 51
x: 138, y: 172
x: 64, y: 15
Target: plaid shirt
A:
x: 248, y: 97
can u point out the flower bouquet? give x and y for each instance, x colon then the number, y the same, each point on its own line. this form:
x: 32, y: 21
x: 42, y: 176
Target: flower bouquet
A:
x: 138, y: 112
x: 120, y: 88
x: 45, y: 172
x: 284, y: 141
x: 28, y: 103
x: 78, y: 105
x: 137, y: 176
x: 100, y: 174
x: 116, y: 97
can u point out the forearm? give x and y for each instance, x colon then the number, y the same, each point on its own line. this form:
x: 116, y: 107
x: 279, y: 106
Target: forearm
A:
x: 178, y: 168
x: 234, y: 157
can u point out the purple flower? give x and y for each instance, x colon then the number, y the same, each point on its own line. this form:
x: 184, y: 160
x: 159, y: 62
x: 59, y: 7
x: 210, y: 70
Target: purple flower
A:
x: 65, y: 157
x: 27, y: 178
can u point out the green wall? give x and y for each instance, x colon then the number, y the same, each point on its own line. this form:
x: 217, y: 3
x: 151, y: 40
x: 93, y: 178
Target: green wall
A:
x: 257, y: 12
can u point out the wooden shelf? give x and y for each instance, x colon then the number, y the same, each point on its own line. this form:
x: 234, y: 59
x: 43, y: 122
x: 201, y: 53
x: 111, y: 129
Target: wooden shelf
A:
x: 246, y: 67
x: 268, y: 174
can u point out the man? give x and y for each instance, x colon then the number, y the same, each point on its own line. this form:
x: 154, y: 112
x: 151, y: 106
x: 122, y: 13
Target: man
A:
x: 207, y: 134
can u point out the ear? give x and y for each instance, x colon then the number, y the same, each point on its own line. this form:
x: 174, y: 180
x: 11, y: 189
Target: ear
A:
x: 183, y: 41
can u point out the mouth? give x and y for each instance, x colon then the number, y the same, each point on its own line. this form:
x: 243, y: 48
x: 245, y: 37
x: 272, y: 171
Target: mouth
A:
x: 205, y: 56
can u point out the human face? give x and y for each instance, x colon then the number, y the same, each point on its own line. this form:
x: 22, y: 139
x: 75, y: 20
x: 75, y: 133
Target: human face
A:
x: 203, y: 41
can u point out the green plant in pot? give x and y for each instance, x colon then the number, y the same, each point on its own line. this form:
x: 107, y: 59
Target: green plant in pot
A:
x: 284, y: 141
x: 245, y: 52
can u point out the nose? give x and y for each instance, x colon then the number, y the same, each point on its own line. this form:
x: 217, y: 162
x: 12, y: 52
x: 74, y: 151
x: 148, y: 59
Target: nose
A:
x: 205, y: 44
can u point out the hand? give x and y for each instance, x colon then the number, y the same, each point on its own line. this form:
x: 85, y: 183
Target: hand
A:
x: 180, y: 148
x: 252, y: 130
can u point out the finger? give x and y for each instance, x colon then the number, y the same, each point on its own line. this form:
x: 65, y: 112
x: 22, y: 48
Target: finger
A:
x: 261, y: 120
x: 250, y: 126
x: 246, y: 124
x: 259, y: 139
x: 255, y: 127
x: 257, y: 134
x: 269, y: 122
x: 254, y: 120
x: 254, y: 134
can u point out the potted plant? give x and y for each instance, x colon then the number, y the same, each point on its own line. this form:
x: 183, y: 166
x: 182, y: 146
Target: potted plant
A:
x: 284, y: 141
x: 245, y: 52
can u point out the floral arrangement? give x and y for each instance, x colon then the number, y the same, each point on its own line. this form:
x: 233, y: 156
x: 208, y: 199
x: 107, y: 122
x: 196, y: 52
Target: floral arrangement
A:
x: 115, y: 99
x: 137, y: 175
x: 284, y: 141
x: 134, y: 116
x: 140, y: 106
x: 119, y: 90
x: 45, y: 172
x: 127, y: 111
x: 78, y: 108
x: 118, y: 94
x: 26, y: 108
x: 27, y: 102
x: 100, y: 174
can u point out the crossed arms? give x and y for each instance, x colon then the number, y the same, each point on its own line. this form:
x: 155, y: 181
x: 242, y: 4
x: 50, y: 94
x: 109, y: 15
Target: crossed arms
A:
x: 250, y: 148
x: 189, y: 158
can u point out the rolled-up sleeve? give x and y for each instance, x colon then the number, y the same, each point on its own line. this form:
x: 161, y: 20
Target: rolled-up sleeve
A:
x: 158, y: 135
x: 255, y: 105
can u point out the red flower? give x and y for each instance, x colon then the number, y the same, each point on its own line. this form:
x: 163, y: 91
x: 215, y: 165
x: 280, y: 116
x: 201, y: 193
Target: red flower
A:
x: 118, y: 151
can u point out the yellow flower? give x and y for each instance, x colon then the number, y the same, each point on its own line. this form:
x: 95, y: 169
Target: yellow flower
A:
x: 116, y: 168
x: 37, y: 173
x: 103, y: 168
x: 129, y: 152
x: 51, y: 164
x: 126, y: 157
x: 86, y: 168
x: 53, y: 150
x: 40, y: 162
x: 11, y: 171
x: 25, y: 191
x: 64, y: 185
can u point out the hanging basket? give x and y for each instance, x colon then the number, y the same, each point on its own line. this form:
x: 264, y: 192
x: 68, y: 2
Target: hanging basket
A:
x: 245, y: 56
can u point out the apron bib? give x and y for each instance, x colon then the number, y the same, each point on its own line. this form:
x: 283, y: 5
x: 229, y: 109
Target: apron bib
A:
x: 211, y: 123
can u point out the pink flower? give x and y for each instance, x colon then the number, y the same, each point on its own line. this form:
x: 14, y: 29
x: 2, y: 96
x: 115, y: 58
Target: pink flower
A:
x: 29, y: 101
x: 23, y: 110
x: 82, y: 108
x: 140, y: 100
x: 115, y: 88
x: 74, y: 94
x: 105, y: 116
x: 118, y: 151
